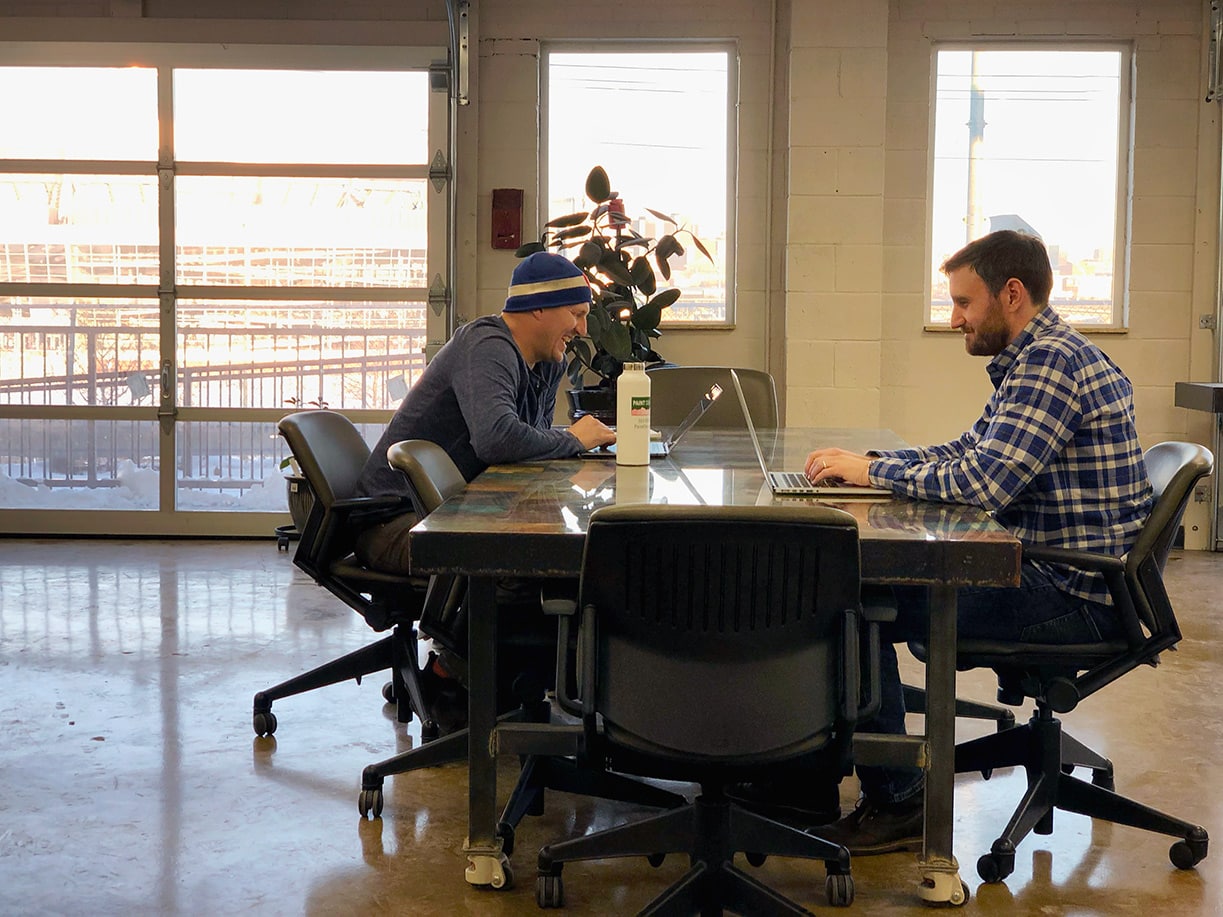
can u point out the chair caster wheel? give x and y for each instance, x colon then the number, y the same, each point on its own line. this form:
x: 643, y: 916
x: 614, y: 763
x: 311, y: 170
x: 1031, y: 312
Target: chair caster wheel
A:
x: 549, y: 891
x: 388, y: 692
x: 264, y: 723
x: 655, y: 859
x: 840, y: 889
x: 756, y: 859
x: 998, y: 863
x: 429, y: 730
x: 1192, y: 850
x: 370, y: 803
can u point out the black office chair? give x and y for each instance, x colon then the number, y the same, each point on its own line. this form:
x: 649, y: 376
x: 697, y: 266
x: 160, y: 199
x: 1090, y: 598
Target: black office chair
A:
x: 715, y: 645
x: 675, y: 389
x: 1059, y: 677
x: 331, y: 454
x: 523, y: 644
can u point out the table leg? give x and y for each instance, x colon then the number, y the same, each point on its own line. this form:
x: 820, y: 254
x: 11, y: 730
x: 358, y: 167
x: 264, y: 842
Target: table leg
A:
x: 486, y: 864
x: 941, y: 881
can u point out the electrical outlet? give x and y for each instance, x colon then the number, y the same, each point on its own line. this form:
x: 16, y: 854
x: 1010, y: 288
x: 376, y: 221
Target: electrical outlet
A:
x: 1206, y: 322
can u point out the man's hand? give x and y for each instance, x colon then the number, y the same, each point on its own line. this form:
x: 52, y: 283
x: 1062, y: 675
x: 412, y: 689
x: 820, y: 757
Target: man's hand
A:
x: 838, y: 464
x: 591, y: 432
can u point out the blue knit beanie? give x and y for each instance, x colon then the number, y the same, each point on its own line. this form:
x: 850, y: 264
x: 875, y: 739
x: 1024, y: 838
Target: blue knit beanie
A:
x: 544, y: 280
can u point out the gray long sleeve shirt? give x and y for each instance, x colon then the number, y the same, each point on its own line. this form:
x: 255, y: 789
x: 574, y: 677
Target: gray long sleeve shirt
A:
x: 479, y: 401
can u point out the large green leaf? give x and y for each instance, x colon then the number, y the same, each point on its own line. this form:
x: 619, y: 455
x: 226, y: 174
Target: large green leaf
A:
x: 529, y: 248
x: 573, y: 232
x: 667, y: 218
x: 613, y: 266
x: 569, y: 219
x: 580, y: 360
x: 643, y: 276
x: 701, y: 248
x: 616, y: 341
x: 588, y: 255
x: 665, y: 298
x: 648, y: 317
x: 598, y: 321
x: 598, y: 185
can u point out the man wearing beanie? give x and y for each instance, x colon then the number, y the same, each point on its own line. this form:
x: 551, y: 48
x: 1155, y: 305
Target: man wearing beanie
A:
x: 488, y: 395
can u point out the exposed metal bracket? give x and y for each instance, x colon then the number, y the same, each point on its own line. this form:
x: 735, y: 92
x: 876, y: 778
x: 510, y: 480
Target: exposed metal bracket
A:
x: 439, y: 171
x: 439, y: 295
x: 1216, y: 42
x: 459, y: 14
x: 1207, y: 322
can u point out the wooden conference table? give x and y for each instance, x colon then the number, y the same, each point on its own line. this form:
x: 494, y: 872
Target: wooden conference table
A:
x: 530, y: 520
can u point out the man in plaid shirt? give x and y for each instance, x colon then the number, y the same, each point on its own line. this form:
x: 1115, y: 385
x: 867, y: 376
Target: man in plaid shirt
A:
x: 1054, y: 457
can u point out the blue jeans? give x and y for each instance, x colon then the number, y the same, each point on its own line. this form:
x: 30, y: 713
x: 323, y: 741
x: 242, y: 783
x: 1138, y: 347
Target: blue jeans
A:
x: 1035, y: 611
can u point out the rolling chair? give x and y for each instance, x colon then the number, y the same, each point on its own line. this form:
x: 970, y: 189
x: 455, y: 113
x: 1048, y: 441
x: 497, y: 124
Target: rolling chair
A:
x: 675, y: 389
x: 714, y: 645
x: 1057, y: 678
x: 331, y: 454
x: 433, y: 478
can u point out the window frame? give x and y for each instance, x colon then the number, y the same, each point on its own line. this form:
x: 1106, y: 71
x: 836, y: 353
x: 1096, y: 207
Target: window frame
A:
x: 658, y: 46
x: 170, y: 414
x: 1123, y: 192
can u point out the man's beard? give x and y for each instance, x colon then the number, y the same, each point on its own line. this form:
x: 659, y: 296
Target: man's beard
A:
x: 991, y: 337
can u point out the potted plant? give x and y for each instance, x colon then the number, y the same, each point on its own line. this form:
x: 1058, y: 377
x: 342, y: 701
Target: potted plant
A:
x: 623, y: 267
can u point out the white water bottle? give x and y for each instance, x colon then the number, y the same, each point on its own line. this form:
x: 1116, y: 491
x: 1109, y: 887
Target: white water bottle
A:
x: 633, y: 416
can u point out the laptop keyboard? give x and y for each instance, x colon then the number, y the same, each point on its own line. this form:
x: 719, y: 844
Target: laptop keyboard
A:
x: 793, y: 480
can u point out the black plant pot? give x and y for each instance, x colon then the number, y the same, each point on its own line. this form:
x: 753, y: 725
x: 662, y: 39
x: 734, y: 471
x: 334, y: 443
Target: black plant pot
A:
x: 599, y: 400
x: 301, y: 500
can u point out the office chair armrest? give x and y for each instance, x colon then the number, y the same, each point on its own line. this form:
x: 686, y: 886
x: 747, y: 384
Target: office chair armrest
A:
x: 1113, y: 569
x: 564, y: 610
x: 368, y: 511
x: 1086, y: 560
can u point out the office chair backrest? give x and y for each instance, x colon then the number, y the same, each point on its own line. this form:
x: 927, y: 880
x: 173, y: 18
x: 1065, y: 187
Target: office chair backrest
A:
x: 432, y: 478
x: 720, y: 629
x: 1174, y: 468
x: 675, y: 389
x: 329, y: 450
x: 431, y: 473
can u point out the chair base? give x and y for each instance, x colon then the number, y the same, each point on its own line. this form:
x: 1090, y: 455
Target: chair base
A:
x: 1049, y: 755
x: 398, y: 652
x: 710, y: 830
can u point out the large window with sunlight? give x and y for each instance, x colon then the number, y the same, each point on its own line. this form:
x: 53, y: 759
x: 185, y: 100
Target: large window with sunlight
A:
x: 189, y: 252
x: 1035, y: 139
x: 660, y: 122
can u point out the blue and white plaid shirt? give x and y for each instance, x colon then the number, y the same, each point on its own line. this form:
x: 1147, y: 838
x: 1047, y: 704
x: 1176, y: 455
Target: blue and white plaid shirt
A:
x: 1054, y: 457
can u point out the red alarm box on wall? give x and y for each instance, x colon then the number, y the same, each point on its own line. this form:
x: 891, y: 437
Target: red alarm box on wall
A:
x: 507, y: 217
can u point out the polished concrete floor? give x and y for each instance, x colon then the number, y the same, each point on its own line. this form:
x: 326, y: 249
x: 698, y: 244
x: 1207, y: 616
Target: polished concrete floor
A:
x: 131, y: 781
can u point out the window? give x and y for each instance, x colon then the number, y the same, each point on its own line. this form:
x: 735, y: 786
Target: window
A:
x: 1035, y: 139
x: 160, y: 309
x: 660, y: 123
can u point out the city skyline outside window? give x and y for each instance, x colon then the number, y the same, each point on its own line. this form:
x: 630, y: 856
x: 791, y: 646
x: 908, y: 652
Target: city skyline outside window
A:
x: 1033, y: 139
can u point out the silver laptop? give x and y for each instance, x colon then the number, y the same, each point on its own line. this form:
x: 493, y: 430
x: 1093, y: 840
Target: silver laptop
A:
x: 661, y: 448
x: 795, y: 483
